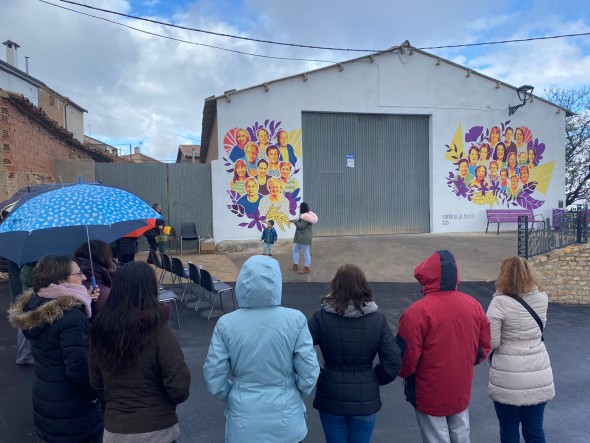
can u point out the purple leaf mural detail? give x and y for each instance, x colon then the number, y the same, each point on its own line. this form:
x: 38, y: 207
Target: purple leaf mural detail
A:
x: 237, y: 209
x: 473, y: 134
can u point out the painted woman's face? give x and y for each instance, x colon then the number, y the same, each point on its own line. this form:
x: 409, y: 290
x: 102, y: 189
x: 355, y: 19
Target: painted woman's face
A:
x: 283, y: 139
x: 519, y: 137
x: 273, y: 156
x: 263, y: 137
x: 524, y: 176
x: 251, y: 152
x: 481, y: 173
x: 242, y: 137
x: 508, y: 136
x: 473, y: 156
x: 251, y: 188
x: 531, y: 156
x: 512, y: 160
x: 262, y: 168
x: 285, y: 171
x: 500, y: 152
x: 463, y: 169
x: 494, y: 137
x: 483, y: 153
x: 274, y: 188
x: 493, y: 169
x: 241, y: 170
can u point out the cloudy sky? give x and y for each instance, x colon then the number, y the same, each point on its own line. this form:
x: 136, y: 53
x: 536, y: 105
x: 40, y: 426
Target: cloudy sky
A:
x: 143, y: 88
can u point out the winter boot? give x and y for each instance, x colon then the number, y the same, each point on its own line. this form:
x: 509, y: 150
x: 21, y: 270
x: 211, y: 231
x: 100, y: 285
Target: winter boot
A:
x: 295, y: 267
x: 305, y: 270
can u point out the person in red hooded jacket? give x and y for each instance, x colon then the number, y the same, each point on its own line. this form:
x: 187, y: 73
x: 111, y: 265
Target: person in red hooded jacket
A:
x: 442, y: 336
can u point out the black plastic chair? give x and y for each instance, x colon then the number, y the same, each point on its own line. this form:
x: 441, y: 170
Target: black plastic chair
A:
x: 167, y: 265
x: 179, y: 272
x: 188, y: 231
x: 153, y: 259
x: 215, y: 287
x: 195, y: 277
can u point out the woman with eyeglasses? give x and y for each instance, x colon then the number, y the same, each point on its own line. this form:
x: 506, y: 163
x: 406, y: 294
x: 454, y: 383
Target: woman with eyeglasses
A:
x: 54, y: 317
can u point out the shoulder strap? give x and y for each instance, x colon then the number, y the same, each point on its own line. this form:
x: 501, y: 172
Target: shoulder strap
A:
x: 532, y: 312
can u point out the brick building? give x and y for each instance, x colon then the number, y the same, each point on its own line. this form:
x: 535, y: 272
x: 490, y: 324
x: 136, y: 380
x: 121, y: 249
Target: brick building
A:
x: 31, y: 144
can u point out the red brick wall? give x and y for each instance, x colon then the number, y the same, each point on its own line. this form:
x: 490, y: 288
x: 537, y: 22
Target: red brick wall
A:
x: 28, y: 149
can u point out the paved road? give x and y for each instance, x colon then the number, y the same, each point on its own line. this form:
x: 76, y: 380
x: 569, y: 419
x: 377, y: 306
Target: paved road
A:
x: 201, y: 417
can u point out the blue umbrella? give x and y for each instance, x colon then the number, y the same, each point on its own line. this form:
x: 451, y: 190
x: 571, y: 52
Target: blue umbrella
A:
x: 58, y: 221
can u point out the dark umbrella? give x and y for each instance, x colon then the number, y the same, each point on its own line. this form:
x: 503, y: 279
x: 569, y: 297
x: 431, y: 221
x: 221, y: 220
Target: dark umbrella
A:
x: 58, y: 221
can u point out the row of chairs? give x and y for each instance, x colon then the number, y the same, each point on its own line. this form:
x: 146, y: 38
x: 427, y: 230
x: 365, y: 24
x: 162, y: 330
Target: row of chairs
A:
x: 192, y: 274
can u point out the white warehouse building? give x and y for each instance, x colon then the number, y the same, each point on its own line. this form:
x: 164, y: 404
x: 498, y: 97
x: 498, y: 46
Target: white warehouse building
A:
x: 400, y: 141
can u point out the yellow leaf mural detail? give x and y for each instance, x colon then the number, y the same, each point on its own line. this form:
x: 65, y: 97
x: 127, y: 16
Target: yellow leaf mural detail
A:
x: 278, y: 217
x: 295, y: 141
x: 542, y: 175
x: 488, y: 199
x: 457, y: 143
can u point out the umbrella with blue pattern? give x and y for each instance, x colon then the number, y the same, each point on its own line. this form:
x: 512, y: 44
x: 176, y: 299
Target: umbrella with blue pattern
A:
x: 58, y: 221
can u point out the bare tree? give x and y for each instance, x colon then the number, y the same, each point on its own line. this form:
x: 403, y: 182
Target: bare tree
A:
x: 577, y: 140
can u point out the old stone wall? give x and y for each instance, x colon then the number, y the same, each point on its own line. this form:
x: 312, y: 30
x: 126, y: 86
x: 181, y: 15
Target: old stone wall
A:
x: 565, y: 273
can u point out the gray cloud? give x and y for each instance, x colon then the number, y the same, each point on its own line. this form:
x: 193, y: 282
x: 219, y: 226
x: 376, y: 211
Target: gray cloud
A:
x: 126, y: 75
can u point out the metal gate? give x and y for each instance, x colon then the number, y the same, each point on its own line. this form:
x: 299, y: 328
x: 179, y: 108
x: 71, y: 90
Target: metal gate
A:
x: 367, y: 173
x: 183, y: 190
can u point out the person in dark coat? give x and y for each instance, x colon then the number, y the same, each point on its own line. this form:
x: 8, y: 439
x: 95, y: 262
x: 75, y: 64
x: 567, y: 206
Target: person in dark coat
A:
x: 54, y: 317
x: 102, y: 266
x: 351, y: 331
x: 136, y: 361
x: 128, y: 247
x: 151, y: 234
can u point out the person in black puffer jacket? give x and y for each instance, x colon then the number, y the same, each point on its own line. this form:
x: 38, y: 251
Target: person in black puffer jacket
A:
x: 54, y: 317
x: 350, y: 332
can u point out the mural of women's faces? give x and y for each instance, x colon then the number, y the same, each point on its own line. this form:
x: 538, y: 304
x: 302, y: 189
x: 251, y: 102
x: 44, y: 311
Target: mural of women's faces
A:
x: 264, y: 180
x: 505, y: 173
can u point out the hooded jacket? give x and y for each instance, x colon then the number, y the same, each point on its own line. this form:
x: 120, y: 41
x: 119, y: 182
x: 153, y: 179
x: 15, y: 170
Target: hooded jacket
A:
x: 63, y: 405
x: 303, y: 232
x: 261, y: 360
x: 349, y: 382
x: 442, y: 336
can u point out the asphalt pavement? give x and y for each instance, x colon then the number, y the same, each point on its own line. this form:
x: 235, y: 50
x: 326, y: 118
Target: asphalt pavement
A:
x: 202, y: 417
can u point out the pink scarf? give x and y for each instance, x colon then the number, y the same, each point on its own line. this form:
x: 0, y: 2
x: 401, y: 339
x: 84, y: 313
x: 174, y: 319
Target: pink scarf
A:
x: 79, y: 292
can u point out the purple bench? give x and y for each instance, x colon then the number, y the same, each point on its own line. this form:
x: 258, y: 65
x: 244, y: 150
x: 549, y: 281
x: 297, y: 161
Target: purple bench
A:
x: 507, y: 216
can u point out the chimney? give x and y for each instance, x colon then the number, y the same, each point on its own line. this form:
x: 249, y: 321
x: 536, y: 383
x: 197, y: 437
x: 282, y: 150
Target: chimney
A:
x: 137, y: 150
x: 11, y: 55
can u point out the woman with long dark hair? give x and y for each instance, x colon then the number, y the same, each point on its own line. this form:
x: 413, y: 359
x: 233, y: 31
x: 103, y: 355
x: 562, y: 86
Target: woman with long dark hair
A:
x: 350, y: 332
x: 521, y: 379
x: 53, y: 316
x: 136, y: 361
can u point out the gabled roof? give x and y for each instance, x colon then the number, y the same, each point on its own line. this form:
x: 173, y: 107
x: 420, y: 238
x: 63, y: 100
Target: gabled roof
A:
x: 210, y: 105
x: 7, y: 67
x: 25, y: 106
x: 185, y: 152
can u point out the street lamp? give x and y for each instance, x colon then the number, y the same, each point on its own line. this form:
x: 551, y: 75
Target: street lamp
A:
x: 525, y: 92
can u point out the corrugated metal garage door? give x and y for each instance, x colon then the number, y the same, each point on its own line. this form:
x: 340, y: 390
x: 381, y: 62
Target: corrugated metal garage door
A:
x: 387, y: 190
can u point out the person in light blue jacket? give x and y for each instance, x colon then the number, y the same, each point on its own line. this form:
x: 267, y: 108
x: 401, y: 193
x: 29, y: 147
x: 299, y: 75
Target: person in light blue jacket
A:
x: 261, y: 360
